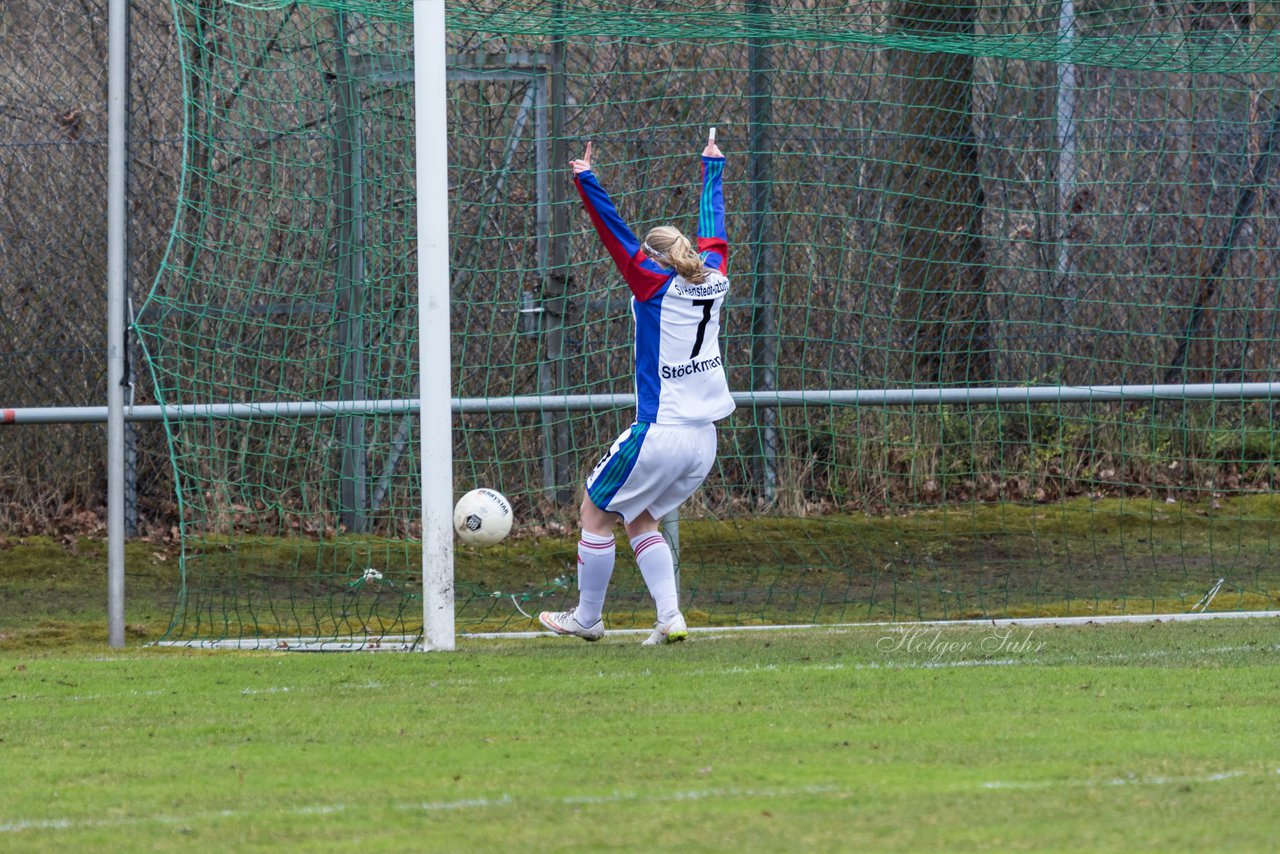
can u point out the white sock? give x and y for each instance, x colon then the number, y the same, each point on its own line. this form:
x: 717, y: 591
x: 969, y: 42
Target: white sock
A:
x: 653, y: 556
x: 595, y: 567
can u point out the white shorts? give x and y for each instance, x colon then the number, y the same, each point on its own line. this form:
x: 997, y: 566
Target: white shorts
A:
x: 652, y: 467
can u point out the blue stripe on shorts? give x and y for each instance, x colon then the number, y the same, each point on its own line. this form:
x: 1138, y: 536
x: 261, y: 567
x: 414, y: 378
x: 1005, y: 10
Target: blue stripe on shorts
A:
x: 618, y: 468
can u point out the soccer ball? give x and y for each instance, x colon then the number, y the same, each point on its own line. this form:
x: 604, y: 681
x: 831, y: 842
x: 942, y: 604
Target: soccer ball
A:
x: 482, y: 517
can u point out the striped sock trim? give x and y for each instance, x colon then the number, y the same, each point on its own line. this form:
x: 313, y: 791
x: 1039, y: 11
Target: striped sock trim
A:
x: 645, y: 543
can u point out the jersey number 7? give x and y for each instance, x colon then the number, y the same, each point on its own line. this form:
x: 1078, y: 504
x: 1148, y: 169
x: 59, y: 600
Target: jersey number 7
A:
x: 702, y: 326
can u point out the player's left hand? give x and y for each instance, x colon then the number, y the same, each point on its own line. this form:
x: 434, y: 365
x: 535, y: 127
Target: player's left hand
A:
x: 712, y: 150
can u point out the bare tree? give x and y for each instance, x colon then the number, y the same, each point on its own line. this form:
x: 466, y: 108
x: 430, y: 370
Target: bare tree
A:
x: 942, y: 322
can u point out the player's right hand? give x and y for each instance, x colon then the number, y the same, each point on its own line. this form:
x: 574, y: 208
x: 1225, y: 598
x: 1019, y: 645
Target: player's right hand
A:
x: 584, y: 164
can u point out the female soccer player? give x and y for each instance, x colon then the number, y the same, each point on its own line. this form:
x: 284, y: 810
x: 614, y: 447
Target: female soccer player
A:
x: 681, y: 392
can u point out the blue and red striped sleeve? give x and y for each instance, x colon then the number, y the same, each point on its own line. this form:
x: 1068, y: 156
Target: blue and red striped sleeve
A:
x: 643, y: 276
x: 713, y: 241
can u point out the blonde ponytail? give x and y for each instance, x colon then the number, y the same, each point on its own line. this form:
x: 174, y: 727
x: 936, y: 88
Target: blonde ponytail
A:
x: 669, y: 247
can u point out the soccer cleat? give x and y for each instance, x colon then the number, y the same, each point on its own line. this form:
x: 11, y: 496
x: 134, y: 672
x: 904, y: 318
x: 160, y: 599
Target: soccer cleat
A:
x: 566, y: 623
x: 671, y: 632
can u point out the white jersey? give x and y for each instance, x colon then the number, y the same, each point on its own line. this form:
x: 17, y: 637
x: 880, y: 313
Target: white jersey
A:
x: 680, y: 376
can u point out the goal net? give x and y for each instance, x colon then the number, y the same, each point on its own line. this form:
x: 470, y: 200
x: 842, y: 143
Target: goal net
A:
x: 933, y: 208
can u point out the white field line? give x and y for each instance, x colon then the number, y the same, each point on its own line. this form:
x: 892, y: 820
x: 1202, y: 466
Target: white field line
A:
x: 1130, y: 780
x: 504, y: 800
x: 507, y: 800
x: 1164, y: 653
x: 629, y: 675
x: 1103, y: 619
x: 258, y: 691
x: 889, y: 663
x: 407, y: 643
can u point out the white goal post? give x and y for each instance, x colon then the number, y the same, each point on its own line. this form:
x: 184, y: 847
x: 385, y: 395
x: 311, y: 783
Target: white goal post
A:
x: 434, y: 355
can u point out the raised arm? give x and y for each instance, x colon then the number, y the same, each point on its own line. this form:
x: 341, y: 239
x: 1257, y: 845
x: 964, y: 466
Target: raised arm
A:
x: 642, y: 275
x: 713, y: 241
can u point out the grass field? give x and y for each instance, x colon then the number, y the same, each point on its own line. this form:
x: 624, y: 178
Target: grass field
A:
x: 1121, y: 737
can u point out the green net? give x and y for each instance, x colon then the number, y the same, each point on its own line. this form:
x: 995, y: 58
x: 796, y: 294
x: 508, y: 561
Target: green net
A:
x: 921, y: 197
